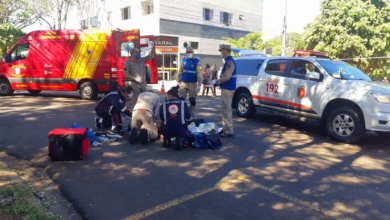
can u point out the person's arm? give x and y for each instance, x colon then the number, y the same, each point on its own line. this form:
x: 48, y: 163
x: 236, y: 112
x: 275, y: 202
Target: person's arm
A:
x: 180, y: 72
x: 156, y: 105
x: 225, y: 76
x: 162, y: 113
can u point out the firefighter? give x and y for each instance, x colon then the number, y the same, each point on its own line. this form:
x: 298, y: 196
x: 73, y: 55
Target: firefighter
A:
x: 227, y: 84
x: 174, y: 114
x: 144, y: 120
x: 135, y: 72
x: 110, y: 108
x: 190, y: 78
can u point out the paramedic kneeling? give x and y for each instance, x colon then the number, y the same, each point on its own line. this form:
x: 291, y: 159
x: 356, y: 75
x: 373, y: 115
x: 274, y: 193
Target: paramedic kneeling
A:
x: 143, y: 123
x: 173, y: 114
x: 109, y: 110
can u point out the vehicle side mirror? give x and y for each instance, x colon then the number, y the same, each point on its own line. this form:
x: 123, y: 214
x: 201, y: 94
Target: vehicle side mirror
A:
x: 313, y: 76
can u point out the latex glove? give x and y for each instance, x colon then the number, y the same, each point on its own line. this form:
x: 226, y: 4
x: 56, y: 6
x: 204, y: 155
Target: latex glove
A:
x: 197, y: 89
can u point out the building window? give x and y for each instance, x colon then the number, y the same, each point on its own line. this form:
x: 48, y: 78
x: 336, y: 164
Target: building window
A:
x: 109, y: 18
x: 147, y: 7
x: 126, y: 13
x: 84, y: 24
x: 226, y: 18
x: 94, y: 22
x: 208, y: 14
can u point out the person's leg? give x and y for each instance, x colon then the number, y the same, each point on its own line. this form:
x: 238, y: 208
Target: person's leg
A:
x: 213, y: 91
x: 148, y: 127
x: 183, y: 91
x: 192, y: 95
x: 226, y: 111
x: 135, y: 127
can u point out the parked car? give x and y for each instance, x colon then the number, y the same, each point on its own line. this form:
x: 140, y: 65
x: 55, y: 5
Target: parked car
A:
x: 344, y: 99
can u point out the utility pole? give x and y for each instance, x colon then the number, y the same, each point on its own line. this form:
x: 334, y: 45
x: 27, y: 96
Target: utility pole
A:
x: 284, y: 32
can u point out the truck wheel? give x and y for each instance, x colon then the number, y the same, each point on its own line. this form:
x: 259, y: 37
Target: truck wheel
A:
x: 34, y: 92
x: 88, y: 91
x: 5, y: 88
x: 245, y: 107
x: 344, y: 124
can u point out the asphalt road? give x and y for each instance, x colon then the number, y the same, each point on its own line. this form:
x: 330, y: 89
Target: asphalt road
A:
x: 274, y: 168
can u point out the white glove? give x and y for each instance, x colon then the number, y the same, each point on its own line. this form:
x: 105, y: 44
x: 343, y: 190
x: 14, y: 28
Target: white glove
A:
x: 138, y: 79
x: 197, y: 88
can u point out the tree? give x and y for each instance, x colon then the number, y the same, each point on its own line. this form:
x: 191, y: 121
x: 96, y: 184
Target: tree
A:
x: 294, y: 41
x: 8, y: 36
x: 253, y: 41
x: 357, y: 29
x: 17, y: 13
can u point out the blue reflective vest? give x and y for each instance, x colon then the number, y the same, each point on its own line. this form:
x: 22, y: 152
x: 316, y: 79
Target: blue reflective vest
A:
x: 231, y: 83
x: 189, y: 70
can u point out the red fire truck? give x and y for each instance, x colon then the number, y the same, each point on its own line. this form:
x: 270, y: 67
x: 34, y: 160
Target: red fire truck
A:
x: 88, y: 61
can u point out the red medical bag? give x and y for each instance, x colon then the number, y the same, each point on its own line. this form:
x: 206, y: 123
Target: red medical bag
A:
x: 68, y: 144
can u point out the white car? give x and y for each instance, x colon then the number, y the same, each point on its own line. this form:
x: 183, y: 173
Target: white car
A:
x: 344, y: 99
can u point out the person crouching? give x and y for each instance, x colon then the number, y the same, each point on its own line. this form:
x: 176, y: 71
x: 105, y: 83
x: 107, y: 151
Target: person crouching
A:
x: 174, y: 113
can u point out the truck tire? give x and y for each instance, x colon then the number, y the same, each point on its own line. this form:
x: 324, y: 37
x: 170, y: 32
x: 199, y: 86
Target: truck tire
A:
x: 245, y: 107
x: 88, y: 91
x: 34, y: 92
x: 344, y: 124
x: 5, y: 88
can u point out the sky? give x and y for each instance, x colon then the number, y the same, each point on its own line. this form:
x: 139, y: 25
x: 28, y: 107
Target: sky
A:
x: 299, y: 14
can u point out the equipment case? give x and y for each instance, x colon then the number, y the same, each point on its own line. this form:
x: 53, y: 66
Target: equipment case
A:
x: 68, y: 144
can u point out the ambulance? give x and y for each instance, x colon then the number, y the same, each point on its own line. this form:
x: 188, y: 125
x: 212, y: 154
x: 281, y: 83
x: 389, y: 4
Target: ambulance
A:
x: 88, y: 61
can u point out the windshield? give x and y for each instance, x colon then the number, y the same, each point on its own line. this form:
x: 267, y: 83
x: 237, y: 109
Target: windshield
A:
x: 341, y: 70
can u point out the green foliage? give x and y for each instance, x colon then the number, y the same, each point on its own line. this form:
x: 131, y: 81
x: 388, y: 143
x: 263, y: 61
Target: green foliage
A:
x: 9, y: 35
x: 356, y: 29
x: 253, y: 41
x: 294, y: 41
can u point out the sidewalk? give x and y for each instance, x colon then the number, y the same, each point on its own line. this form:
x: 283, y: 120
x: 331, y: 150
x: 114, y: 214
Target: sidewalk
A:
x: 20, y: 177
x: 169, y: 84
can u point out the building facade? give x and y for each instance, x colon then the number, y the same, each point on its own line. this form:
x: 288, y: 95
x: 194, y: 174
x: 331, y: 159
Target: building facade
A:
x: 201, y: 24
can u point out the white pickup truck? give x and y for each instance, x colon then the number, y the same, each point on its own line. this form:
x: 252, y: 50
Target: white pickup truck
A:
x: 344, y: 99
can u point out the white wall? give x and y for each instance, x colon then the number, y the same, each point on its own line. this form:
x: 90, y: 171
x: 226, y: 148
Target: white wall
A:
x: 192, y: 11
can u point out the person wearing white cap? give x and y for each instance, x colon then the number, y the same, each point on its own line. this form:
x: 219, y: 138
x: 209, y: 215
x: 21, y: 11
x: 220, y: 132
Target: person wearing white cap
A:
x: 190, y: 78
x: 135, y: 72
x: 227, y: 83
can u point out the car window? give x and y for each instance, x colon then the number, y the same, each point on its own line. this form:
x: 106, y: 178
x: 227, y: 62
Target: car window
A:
x: 20, y: 52
x: 276, y: 67
x: 299, y: 68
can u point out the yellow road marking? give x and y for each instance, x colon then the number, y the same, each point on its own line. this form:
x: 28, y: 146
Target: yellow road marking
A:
x: 239, y: 179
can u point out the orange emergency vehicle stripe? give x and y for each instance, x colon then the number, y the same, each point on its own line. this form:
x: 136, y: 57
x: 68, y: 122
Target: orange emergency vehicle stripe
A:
x: 86, y: 55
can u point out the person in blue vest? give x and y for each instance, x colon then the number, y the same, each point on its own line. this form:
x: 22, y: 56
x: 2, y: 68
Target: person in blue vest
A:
x: 110, y: 108
x: 174, y: 114
x: 227, y: 84
x: 190, y: 78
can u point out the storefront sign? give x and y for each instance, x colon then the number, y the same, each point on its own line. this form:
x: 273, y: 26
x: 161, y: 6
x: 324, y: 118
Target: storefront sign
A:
x: 167, y: 41
x: 166, y: 49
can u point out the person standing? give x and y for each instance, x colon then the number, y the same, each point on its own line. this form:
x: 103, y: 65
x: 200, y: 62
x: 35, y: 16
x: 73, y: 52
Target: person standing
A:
x: 207, y: 81
x: 174, y: 114
x: 144, y: 120
x: 109, y: 110
x: 135, y: 72
x: 214, y: 77
x: 227, y: 83
x: 190, y: 78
